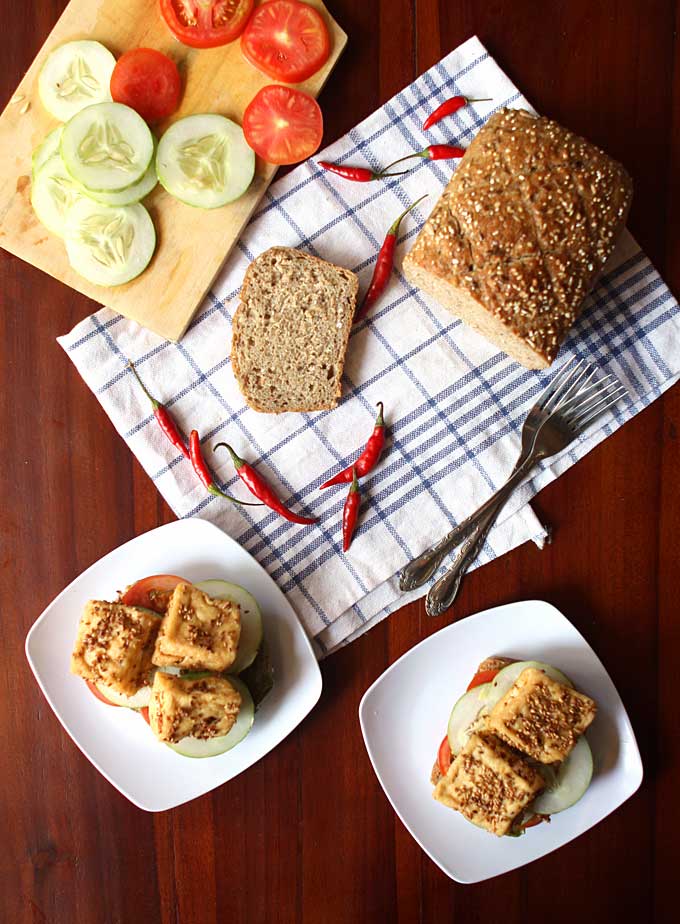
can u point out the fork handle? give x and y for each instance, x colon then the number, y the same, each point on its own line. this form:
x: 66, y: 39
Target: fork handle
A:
x: 422, y: 568
x: 442, y: 594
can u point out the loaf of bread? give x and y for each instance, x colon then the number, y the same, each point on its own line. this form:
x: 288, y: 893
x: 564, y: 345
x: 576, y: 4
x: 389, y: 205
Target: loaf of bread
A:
x: 291, y: 330
x: 521, y: 232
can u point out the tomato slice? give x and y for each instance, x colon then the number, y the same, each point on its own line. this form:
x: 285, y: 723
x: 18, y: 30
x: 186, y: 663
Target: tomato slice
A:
x: 93, y: 689
x: 144, y: 712
x: 535, y: 820
x: 147, y: 81
x: 444, y: 756
x: 482, y: 677
x: 287, y: 40
x: 206, y: 23
x: 283, y: 125
x: 152, y: 592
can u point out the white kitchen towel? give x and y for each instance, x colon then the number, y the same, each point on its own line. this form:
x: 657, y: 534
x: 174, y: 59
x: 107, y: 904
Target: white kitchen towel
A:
x: 454, y: 405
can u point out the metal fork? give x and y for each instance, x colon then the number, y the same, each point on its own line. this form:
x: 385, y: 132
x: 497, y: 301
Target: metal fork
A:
x: 568, y: 379
x: 582, y: 402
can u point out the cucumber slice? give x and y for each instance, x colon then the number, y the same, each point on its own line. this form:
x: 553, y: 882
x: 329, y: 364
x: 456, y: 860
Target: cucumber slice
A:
x: 138, y: 700
x: 466, y: 714
x: 504, y: 679
x: 75, y: 75
x: 566, y: 785
x: 251, y: 619
x: 211, y: 747
x: 53, y: 193
x: 109, y: 246
x: 130, y: 194
x: 45, y: 150
x: 107, y: 147
x: 204, y: 161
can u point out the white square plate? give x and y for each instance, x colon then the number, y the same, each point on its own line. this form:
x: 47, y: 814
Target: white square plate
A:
x: 404, y: 716
x: 117, y: 741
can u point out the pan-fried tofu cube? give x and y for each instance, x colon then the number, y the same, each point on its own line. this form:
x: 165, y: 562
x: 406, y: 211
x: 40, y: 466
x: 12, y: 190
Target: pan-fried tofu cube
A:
x: 198, y: 632
x: 541, y: 717
x: 114, y: 645
x: 489, y: 784
x: 180, y: 707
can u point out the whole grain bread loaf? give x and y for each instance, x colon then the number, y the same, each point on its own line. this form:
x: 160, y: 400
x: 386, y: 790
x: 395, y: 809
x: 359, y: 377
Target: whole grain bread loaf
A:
x: 291, y: 330
x: 521, y: 232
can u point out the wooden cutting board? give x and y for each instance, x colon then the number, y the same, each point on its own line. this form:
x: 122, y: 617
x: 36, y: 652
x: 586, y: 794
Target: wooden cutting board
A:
x: 192, y: 243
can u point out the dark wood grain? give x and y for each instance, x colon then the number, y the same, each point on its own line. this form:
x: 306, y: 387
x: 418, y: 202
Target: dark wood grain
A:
x: 307, y: 835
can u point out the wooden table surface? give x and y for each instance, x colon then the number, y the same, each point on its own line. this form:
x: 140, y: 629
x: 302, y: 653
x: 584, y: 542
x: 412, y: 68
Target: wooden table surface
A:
x: 307, y: 835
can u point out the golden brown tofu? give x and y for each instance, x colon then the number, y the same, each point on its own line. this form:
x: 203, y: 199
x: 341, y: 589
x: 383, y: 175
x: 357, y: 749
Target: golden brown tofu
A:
x: 180, y: 707
x: 114, y: 645
x: 541, y: 717
x: 489, y: 784
x: 198, y: 632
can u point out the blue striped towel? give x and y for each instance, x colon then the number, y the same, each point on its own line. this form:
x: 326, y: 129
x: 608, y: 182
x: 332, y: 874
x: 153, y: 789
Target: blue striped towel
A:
x: 453, y: 403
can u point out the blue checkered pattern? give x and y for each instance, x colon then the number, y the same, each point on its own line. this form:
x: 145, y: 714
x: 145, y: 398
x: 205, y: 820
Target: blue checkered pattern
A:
x: 454, y: 405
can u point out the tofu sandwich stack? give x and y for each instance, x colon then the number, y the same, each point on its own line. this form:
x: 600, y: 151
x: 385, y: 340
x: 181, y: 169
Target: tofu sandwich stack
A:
x: 181, y: 663
x: 515, y: 752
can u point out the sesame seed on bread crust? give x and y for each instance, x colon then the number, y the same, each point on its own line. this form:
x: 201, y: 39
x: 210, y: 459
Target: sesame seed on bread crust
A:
x: 520, y: 233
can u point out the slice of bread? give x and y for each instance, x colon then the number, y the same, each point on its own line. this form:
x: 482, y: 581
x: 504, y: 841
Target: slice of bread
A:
x: 291, y: 330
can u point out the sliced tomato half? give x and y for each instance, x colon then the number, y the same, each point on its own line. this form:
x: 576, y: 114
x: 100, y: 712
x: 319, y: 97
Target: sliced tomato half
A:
x: 147, y: 81
x: 287, y: 40
x: 482, y: 677
x: 206, y: 23
x: 95, y: 690
x: 444, y: 756
x: 152, y: 592
x: 283, y: 125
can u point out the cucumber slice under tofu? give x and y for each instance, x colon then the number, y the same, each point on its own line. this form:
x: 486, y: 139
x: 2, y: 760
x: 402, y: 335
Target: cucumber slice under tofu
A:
x: 75, y: 75
x: 53, y: 193
x: 212, y: 747
x: 466, y: 715
x: 505, y: 678
x: 566, y: 784
x: 205, y: 161
x: 251, y: 619
x: 107, y: 147
x: 138, y: 700
x: 109, y: 245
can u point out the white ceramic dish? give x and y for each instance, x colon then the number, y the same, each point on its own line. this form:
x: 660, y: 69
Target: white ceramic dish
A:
x: 404, y: 716
x: 117, y: 741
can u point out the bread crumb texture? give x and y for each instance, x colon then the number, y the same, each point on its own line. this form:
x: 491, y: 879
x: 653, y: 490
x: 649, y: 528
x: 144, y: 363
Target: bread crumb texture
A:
x: 291, y: 331
x: 521, y: 231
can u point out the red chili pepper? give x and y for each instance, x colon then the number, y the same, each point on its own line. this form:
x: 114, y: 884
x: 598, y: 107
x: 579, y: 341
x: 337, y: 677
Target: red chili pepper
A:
x: 383, y: 265
x: 442, y: 151
x: 259, y: 487
x: 357, y: 174
x: 350, y: 513
x: 164, y: 418
x: 448, y: 107
x: 368, y: 458
x: 204, y: 473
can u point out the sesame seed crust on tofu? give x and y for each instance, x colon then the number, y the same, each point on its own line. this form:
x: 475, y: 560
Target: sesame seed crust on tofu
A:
x: 114, y: 645
x: 541, y: 717
x: 489, y: 784
x: 198, y: 632
x: 180, y: 707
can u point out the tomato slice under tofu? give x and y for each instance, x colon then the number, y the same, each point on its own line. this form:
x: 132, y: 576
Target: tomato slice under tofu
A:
x: 481, y: 677
x: 147, y: 81
x: 100, y: 696
x: 144, y: 712
x: 152, y: 592
x: 287, y: 40
x: 444, y: 756
x: 283, y: 125
x: 206, y: 23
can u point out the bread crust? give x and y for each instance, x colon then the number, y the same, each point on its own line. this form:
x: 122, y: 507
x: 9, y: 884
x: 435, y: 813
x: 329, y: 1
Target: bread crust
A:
x: 521, y: 232
x: 239, y: 373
